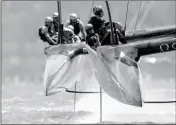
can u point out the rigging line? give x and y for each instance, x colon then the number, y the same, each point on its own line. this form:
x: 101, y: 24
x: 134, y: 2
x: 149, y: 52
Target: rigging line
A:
x: 90, y: 10
x: 126, y: 17
x: 137, y: 17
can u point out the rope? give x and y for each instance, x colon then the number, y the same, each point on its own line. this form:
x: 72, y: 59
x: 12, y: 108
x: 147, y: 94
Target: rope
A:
x: 137, y: 17
x: 90, y: 10
x: 126, y: 15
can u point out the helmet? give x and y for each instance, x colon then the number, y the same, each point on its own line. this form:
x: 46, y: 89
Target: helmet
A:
x: 88, y: 27
x: 70, y: 27
x: 68, y: 30
x: 67, y: 33
x: 73, y: 16
x: 98, y: 10
x: 48, y: 19
x: 55, y: 15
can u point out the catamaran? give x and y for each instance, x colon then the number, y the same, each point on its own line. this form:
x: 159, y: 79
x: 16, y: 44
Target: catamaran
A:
x: 111, y: 68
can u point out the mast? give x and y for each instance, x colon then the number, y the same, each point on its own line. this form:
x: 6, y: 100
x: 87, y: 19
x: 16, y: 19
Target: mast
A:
x: 110, y: 21
x: 60, y: 26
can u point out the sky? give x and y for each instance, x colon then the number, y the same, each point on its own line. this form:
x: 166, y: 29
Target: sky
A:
x: 23, y: 51
x: 26, y: 16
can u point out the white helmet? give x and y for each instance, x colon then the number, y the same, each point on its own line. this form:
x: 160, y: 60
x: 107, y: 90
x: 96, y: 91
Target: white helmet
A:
x: 73, y: 16
x: 68, y: 30
x: 67, y: 34
x: 70, y: 27
x: 88, y: 27
x: 55, y: 14
x: 48, y: 19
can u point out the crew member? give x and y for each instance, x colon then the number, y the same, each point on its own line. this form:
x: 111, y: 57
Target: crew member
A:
x: 120, y: 32
x: 92, y: 38
x: 97, y: 21
x: 45, y: 32
x: 55, y: 22
x: 68, y: 36
x: 77, y: 24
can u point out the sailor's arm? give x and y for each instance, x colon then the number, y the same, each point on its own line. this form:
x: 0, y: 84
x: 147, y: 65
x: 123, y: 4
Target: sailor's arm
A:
x: 97, y: 39
x: 67, y: 23
x: 45, y: 32
x: 82, y: 29
x: 49, y: 39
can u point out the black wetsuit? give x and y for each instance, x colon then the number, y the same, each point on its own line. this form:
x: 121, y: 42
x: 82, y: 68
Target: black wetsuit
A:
x: 76, y: 27
x: 42, y: 36
x: 97, y: 24
x: 93, y: 40
x: 55, y: 26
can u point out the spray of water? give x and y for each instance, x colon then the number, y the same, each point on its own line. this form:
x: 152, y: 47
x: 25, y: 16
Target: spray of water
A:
x: 117, y: 112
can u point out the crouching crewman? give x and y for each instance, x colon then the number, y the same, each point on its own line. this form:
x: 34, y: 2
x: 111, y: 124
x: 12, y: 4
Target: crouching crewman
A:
x: 46, y: 33
x: 92, y: 38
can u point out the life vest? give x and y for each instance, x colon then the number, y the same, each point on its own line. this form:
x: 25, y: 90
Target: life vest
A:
x: 55, y: 26
x: 76, y: 27
x: 97, y: 24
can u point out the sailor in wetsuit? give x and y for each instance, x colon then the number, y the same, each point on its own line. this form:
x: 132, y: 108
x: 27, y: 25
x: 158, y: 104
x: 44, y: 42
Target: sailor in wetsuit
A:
x: 68, y: 36
x: 55, y: 22
x: 77, y: 24
x: 46, y: 33
x: 97, y: 21
x: 119, y: 33
x: 69, y: 33
x: 100, y: 27
x: 92, y: 38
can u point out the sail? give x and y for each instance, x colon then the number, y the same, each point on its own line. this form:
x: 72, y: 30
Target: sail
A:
x: 89, y: 71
